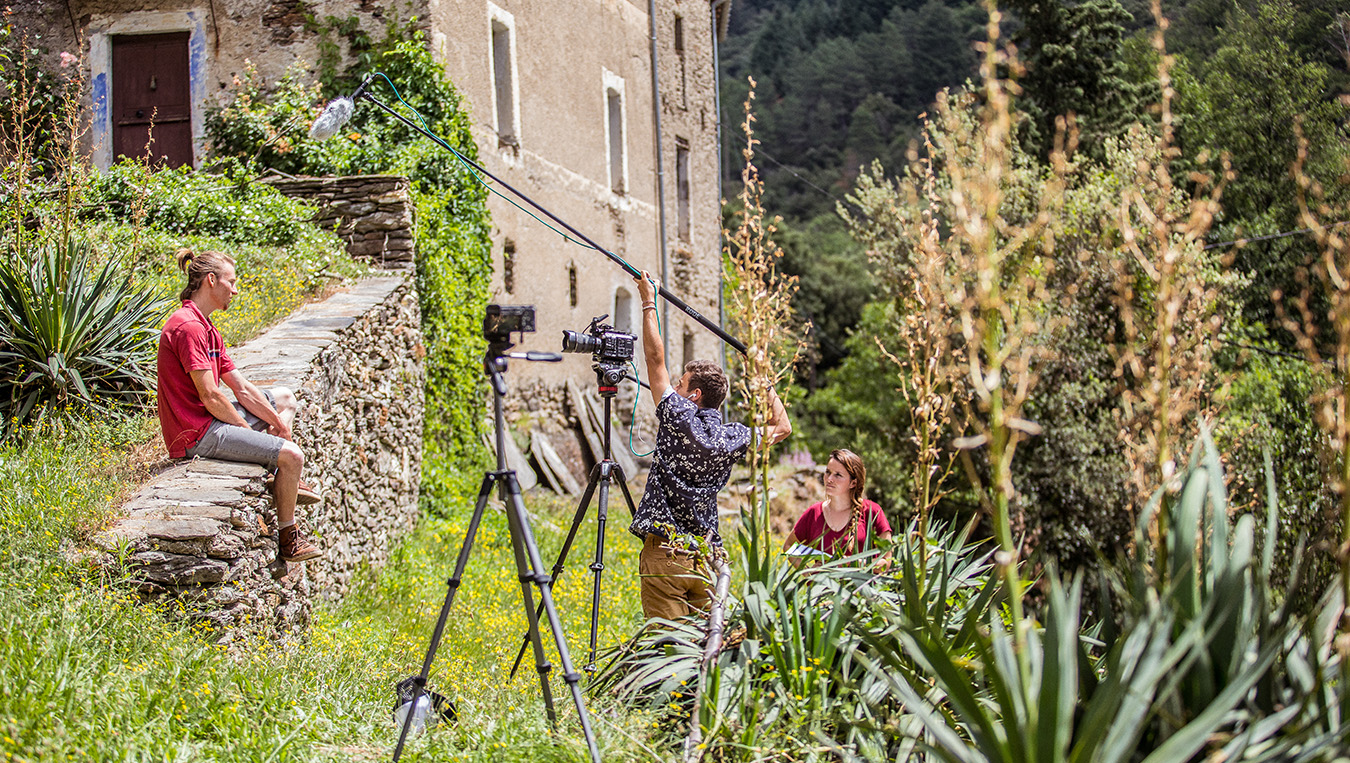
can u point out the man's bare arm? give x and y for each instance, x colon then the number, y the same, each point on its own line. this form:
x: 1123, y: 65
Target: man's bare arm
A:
x: 778, y: 427
x: 255, y: 402
x: 653, y: 349
x: 215, y: 401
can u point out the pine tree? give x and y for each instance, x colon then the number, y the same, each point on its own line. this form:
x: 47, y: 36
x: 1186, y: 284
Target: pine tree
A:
x: 1072, y: 54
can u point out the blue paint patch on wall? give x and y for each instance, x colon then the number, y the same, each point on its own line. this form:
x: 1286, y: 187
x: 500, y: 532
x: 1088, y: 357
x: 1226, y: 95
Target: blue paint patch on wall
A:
x: 100, y: 123
x: 99, y: 91
x: 197, y: 57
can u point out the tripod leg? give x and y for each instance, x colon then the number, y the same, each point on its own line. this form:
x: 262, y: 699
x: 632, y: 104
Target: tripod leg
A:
x: 562, y: 556
x: 528, y: 568
x: 598, y: 566
x: 623, y: 484
x: 452, y: 586
x: 528, y: 561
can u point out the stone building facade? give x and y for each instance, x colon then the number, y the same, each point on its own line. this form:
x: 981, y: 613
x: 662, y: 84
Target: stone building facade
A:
x: 564, y: 107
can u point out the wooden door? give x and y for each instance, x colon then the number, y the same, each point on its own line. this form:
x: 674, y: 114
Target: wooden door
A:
x: 151, y: 98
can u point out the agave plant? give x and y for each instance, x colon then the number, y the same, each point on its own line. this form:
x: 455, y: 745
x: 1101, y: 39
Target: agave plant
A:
x: 926, y: 661
x: 73, y: 334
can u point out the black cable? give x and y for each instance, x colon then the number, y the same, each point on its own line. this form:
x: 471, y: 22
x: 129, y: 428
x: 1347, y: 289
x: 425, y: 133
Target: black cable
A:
x: 1283, y: 234
x: 796, y: 174
x: 1264, y: 350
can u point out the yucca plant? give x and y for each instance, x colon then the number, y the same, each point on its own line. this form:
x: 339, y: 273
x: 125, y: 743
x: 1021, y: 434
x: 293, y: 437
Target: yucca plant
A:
x: 1206, y: 666
x: 791, y: 673
x: 74, y: 334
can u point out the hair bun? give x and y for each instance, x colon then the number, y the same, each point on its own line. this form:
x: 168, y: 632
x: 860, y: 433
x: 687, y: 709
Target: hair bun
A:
x: 184, y: 258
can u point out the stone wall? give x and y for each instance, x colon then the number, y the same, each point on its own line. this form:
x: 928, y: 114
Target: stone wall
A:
x: 203, y: 533
x: 372, y: 213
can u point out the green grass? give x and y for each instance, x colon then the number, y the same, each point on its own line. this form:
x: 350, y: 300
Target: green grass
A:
x: 273, y: 280
x: 89, y: 672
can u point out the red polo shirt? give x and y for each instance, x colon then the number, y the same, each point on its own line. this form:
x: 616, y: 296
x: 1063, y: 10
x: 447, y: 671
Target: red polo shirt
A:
x: 188, y: 342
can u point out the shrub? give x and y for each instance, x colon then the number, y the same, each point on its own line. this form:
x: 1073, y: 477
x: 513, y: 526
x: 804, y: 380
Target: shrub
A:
x: 73, y: 333
x: 144, y: 216
x: 225, y: 206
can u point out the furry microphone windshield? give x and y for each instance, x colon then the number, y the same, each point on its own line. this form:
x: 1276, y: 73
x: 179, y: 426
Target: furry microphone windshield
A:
x: 334, y: 116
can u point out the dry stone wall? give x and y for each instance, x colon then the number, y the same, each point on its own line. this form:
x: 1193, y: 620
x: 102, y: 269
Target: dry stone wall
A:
x: 203, y: 533
x: 372, y: 213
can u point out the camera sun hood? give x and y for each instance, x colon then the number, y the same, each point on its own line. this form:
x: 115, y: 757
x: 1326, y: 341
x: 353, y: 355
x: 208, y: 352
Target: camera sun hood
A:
x: 634, y: 272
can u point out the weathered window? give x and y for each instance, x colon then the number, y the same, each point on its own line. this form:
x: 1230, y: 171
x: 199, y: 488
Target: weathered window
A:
x: 682, y: 188
x: 683, y: 95
x: 623, y: 310
x: 509, y: 266
x: 504, y: 77
x: 614, y: 113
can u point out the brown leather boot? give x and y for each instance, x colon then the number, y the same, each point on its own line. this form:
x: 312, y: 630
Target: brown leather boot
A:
x: 292, y: 547
x: 305, y: 494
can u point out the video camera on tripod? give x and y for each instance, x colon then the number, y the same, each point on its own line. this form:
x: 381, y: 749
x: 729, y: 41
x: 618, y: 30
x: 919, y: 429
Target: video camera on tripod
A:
x: 501, y: 321
x: 609, y: 348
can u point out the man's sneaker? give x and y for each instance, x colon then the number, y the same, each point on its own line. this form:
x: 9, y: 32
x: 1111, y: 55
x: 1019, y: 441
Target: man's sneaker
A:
x: 292, y: 547
x: 305, y: 494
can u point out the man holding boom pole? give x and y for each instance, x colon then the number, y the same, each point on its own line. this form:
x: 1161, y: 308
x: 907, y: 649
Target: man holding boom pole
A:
x: 695, y: 451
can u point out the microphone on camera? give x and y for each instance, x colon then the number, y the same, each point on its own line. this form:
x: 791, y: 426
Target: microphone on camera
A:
x: 337, y: 113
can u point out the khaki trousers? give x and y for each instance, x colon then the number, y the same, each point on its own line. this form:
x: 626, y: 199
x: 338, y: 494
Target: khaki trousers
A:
x: 672, y: 585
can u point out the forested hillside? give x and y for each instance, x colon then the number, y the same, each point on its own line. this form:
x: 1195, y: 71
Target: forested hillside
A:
x: 842, y: 83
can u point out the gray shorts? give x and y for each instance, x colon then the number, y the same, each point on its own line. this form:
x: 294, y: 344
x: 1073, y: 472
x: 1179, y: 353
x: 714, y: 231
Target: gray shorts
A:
x: 228, y: 442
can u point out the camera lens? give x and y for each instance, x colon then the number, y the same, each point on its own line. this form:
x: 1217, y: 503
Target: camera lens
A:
x: 574, y: 341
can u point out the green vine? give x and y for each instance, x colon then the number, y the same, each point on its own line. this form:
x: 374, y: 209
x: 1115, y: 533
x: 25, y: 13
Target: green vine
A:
x: 330, y: 51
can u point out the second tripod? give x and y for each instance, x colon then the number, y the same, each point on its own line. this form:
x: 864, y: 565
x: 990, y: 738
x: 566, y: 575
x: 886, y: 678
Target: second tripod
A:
x: 500, y: 322
x: 605, y: 472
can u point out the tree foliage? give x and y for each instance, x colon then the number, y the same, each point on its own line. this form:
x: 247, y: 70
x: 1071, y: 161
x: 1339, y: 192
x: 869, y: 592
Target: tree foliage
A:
x: 841, y: 83
x: 1074, y: 66
x: 1243, y: 102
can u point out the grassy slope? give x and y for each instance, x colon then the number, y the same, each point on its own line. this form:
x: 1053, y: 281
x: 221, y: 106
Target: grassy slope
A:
x: 86, y: 672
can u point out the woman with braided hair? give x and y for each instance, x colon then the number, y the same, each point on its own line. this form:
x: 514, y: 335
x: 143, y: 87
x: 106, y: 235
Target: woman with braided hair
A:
x: 844, y: 523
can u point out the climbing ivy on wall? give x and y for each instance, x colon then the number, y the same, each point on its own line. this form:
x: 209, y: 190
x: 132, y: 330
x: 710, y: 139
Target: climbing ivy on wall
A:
x: 266, y: 127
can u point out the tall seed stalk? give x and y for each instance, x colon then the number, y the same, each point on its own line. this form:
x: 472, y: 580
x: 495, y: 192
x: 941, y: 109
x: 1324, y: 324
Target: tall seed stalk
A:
x: 1168, y: 301
x: 912, y: 262
x: 1331, y: 402
x: 759, y: 307
x: 758, y: 298
x: 27, y: 121
x: 994, y: 282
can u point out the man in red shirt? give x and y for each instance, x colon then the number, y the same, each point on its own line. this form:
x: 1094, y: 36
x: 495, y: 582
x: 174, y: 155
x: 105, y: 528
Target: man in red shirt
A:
x: 199, y: 420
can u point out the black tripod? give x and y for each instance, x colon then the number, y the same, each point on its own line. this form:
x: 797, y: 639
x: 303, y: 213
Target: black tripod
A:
x: 605, y: 472
x: 528, y: 564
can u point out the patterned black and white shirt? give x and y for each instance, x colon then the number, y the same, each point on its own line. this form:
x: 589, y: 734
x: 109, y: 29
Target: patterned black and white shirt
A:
x: 694, y: 455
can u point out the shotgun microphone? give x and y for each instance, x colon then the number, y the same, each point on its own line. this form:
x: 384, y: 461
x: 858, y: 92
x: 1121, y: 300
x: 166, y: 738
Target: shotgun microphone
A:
x: 337, y: 113
x: 334, y: 116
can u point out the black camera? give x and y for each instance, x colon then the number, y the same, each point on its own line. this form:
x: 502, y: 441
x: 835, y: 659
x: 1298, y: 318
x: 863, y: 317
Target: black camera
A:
x: 610, y: 349
x: 501, y: 321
